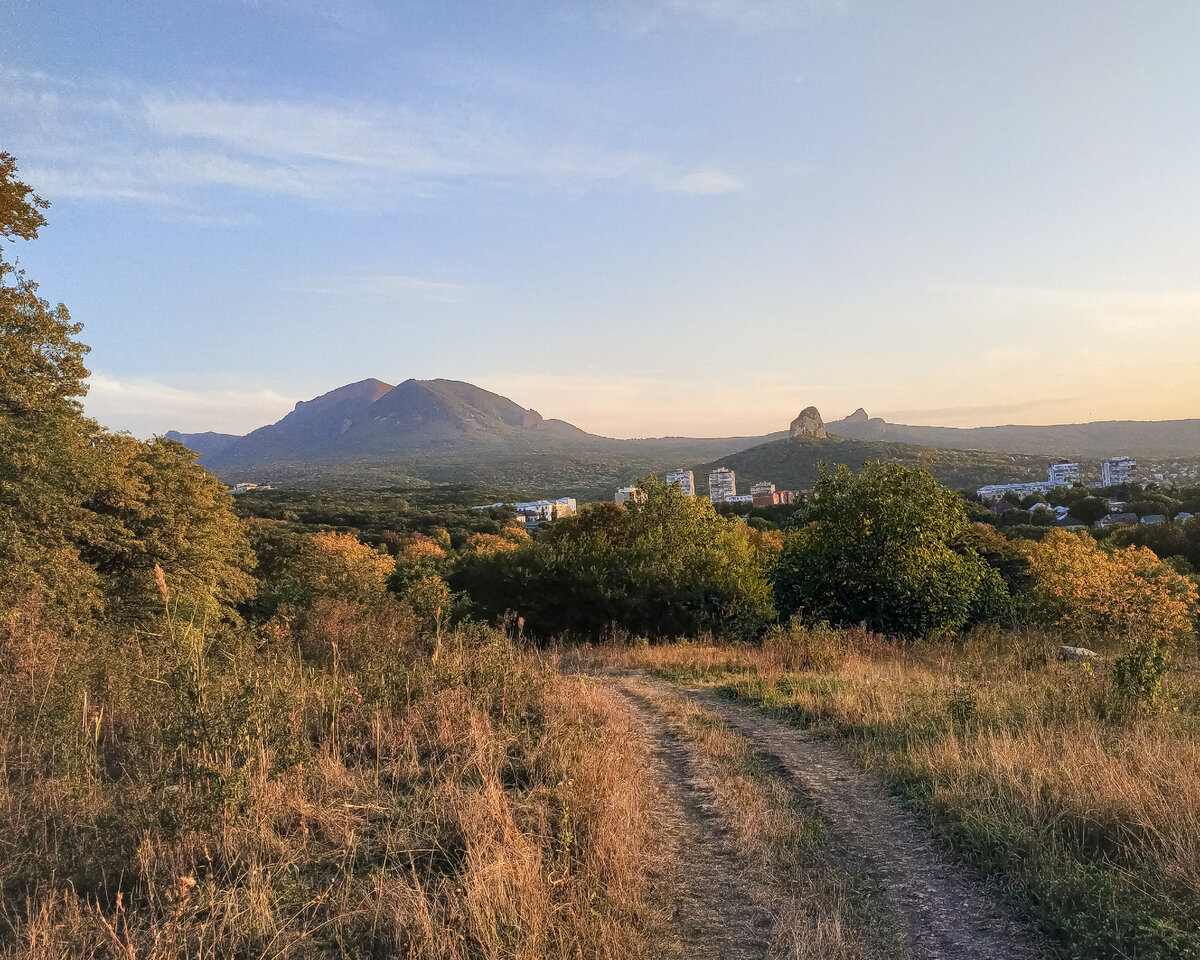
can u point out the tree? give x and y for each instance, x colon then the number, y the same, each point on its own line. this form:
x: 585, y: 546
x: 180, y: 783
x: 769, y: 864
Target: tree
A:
x: 1090, y: 509
x: 160, y: 510
x: 1093, y: 594
x: 339, y: 565
x: 45, y: 441
x: 666, y: 567
x: 885, y: 547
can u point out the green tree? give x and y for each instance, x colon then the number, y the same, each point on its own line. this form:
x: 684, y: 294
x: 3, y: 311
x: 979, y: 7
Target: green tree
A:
x: 669, y: 566
x: 45, y: 441
x: 1090, y: 509
x: 885, y: 547
x: 160, y: 509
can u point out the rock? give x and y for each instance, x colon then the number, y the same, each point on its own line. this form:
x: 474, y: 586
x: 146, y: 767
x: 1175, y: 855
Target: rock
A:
x: 1077, y: 653
x: 858, y: 416
x: 808, y: 425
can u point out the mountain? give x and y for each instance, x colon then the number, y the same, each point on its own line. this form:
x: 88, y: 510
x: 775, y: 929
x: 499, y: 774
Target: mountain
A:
x: 1098, y: 440
x: 205, y: 444
x: 439, y: 431
x: 794, y: 463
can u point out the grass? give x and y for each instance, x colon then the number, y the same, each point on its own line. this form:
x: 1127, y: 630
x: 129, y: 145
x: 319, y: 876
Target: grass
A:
x: 226, y: 795
x: 820, y: 910
x: 1085, y: 813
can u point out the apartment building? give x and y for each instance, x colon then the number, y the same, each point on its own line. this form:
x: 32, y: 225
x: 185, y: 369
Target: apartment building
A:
x: 685, y: 479
x: 722, y: 485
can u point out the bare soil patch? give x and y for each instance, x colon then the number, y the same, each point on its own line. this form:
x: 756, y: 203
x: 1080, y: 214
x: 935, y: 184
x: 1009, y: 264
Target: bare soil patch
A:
x: 946, y: 911
x: 714, y: 913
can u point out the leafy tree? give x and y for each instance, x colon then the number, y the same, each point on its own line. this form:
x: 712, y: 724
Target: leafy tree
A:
x: 665, y: 567
x: 339, y: 565
x: 45, y: 449
x: 1085, y: 591
x: 1090, y: 509
x: 159, y: 509
x: 886, y: 547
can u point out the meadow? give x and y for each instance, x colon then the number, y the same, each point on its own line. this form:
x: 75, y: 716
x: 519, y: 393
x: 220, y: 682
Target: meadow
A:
x: 1083, y: 811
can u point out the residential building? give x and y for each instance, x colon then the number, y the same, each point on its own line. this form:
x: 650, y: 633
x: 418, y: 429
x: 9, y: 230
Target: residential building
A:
x: 787, y: 496
x: 763, y: 494
x: 1116, y: 519
x: 722, y: 486
x: 1063, y: 473
x: 996, y: 491
x: 1154, y: 518
x: 539, y: 510
x: 685, y: 479
x: 626, y: 494
x: 744, y: 500
x: 1117, y: 470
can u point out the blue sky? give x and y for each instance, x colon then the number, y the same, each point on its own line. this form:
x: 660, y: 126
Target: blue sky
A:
x: 657, y: 217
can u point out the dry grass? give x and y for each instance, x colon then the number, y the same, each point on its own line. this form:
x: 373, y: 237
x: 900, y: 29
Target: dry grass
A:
x: 820, y: 911
x: 1089, y: 815
x: 226, y: 796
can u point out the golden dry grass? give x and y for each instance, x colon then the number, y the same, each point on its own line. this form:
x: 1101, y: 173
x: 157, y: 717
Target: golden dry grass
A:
x: 240, y: 800
x: 1087, y: 813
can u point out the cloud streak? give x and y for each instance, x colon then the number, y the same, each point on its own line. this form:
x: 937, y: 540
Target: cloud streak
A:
x: 388, y: 286
x: 145, y: 407
x: 152, y: 147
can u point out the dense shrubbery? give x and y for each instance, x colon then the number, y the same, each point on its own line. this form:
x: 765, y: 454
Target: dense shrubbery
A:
x: 887, y: 547
x: 667, y: 567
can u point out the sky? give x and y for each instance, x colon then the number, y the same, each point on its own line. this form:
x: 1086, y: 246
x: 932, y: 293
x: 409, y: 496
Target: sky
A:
x: 647, y: 217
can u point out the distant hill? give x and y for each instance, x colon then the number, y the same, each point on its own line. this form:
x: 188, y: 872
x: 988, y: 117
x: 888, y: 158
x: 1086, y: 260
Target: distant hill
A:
x: 794, y: 463
x: 205, y: 444
x: 1097, y: 441
x: 441, y: 431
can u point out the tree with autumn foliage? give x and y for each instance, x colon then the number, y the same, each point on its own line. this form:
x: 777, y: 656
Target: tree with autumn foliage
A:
x: 1090, y: 593
x: 338, y: 565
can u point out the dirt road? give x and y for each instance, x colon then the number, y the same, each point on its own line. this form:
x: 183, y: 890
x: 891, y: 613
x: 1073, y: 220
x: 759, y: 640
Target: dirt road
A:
x: 942, y: 909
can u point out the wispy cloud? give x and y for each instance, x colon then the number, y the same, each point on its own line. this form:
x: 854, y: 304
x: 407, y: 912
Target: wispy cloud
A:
x: 144, y: 407
x: 126, y: 143
x: 748, y: 15
x: 387, y: 286
x: 974, y: 415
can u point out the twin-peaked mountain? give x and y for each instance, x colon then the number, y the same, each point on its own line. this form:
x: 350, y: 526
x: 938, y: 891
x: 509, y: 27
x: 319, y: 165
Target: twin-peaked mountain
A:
x: 372, y: 418
x: 437, y: 430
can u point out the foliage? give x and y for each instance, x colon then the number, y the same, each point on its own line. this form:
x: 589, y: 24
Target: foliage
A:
x: 886, y: 547
x: 1091, y: 593
x: 162, y: 511
x: 1138, y: 675
x: 86, y: 516
x: 662, y: 568
x: 338, y: 565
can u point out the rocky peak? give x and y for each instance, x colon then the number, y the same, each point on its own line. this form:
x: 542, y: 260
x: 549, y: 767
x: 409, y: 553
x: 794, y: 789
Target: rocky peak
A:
x: 858, y: 416
x: 808, y: 425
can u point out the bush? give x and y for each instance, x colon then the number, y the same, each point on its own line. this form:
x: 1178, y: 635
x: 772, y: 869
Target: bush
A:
x: 885, y: 548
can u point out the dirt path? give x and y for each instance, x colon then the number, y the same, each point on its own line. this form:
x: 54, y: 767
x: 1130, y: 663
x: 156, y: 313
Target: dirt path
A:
x: 946, y: 912
x: 714, y: 916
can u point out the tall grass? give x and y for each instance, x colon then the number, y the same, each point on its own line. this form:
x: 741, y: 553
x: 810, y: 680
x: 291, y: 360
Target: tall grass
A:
x: 1086, y: 812
x: 322, y: 788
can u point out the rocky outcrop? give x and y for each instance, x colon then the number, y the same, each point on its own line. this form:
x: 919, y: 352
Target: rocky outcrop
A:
x: 858, y: 416
x: 808, y: 425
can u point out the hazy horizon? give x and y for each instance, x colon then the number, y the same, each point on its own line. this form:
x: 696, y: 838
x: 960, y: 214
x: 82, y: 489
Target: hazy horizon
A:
x: 675, y: 217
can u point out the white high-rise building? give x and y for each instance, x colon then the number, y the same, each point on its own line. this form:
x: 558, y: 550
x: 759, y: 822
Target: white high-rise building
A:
x: 1063, y: 473
x: 721, y: 485
x: 685, y: 479
x: 1117, y: 470
x: 630, y: 493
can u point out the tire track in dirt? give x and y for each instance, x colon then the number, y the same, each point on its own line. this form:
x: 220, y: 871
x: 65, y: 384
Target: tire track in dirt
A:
x: 714, y: 914
x: 944, y: 908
